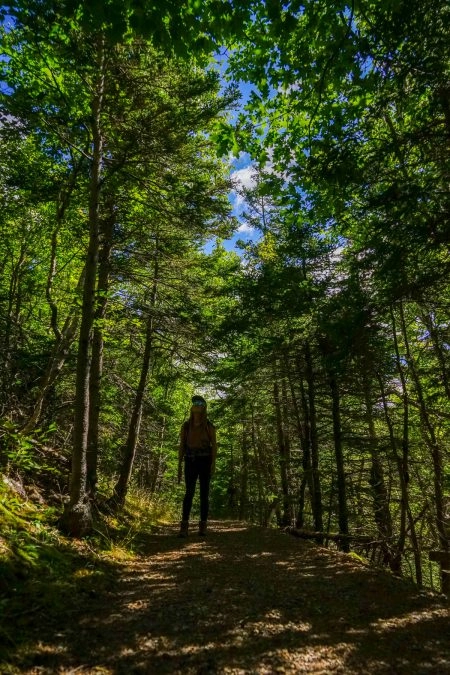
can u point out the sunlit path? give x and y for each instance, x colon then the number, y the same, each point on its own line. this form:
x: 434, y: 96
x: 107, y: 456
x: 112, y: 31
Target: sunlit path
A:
x: 245, y: 600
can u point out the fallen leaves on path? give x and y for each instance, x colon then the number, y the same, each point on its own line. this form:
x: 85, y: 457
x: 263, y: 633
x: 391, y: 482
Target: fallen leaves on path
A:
x: 244, y: 600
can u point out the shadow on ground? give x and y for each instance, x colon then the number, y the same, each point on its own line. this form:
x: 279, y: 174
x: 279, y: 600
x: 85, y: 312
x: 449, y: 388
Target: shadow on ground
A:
x: 243, y: 600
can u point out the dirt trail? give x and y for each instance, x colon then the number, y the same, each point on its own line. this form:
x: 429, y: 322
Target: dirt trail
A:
x: 245, y: 600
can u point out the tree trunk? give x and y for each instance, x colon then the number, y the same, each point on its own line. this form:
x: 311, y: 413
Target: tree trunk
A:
x: 57, y: 360
x: 403, y: 460
x: 61, y: 207
x: 243, y: 496
x: 95, y: 377
x: 402, y: 464
x: 77, y: 518
x: 382, y: 513
x: 11, y: 323
x: 156, y: 460
x: 262, y: 510
x: 283, y: 456
x: 340, y: 470
x: 431, y: 440
x: 317, y: 507
x: 63, y: 338
x: 307, y: 478
x: 285, y: 416
x: 121, y: 487
x: 303, y: 435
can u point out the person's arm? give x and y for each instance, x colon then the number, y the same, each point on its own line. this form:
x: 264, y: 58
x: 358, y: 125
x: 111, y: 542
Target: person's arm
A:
x: 213, y: 449
x: 181, y: 453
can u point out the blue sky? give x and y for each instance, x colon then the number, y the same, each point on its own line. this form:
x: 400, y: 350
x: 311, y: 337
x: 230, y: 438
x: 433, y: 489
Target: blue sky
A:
x: 240, y: 170
x: 240, y: 167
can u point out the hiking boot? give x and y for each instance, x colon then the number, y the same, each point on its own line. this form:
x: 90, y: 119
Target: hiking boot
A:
x: 202, y: 528
x: 184, y: 527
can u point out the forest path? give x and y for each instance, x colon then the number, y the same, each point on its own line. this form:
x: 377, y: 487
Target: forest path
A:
x: 244, y: 600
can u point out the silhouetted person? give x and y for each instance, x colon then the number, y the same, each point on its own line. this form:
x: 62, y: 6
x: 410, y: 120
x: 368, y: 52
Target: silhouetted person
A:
x: 198, y: 450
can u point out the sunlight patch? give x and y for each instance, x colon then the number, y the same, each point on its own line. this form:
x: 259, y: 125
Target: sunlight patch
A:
x: 137, y: 604
x: 408, y: 620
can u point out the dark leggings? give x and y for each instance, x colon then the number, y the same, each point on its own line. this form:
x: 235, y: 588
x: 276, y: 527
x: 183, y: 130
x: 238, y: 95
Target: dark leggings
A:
x: 198, y: 467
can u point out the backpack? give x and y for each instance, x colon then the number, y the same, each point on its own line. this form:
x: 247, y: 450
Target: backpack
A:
x: 187, y: 450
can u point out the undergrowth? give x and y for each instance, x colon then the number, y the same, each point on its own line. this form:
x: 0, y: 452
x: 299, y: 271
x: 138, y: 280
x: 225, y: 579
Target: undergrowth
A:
x: 31, y: 543
x: 43, y: 572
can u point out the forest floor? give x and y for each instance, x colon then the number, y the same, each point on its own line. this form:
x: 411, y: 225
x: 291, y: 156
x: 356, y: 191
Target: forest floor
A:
x: 243, y: 600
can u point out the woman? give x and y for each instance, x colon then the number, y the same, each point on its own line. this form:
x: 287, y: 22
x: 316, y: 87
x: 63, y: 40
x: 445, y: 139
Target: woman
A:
x: 198, y: 450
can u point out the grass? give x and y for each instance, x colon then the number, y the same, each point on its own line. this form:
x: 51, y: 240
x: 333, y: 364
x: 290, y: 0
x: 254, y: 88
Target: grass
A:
x: 30, y: 541
x: 43, y: 572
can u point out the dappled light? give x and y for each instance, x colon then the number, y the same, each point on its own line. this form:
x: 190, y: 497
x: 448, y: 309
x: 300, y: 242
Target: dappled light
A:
x: 224, y: 337
x: 246, y: 600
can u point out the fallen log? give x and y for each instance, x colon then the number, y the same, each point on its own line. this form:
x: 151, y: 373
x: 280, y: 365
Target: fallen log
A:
x: 333, y: 536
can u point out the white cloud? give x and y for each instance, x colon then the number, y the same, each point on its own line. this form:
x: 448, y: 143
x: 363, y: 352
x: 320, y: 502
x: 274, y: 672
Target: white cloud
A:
x: 244, y: 177
x: 245, y: 228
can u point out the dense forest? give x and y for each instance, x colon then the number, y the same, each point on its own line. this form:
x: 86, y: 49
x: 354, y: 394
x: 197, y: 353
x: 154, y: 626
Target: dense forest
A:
x: 321, y: 342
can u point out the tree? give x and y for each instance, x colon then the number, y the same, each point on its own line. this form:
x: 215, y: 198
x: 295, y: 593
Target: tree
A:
x: 163, y: 114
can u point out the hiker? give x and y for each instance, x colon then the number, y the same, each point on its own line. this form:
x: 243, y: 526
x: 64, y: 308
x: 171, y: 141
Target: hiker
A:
x: 198, y: 449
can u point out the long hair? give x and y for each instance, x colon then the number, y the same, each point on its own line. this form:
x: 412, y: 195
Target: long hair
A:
x: 190, y: 422
x: 204, y: 418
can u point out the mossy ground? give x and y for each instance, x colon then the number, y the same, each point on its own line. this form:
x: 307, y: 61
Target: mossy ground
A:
x: 42, y: 571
